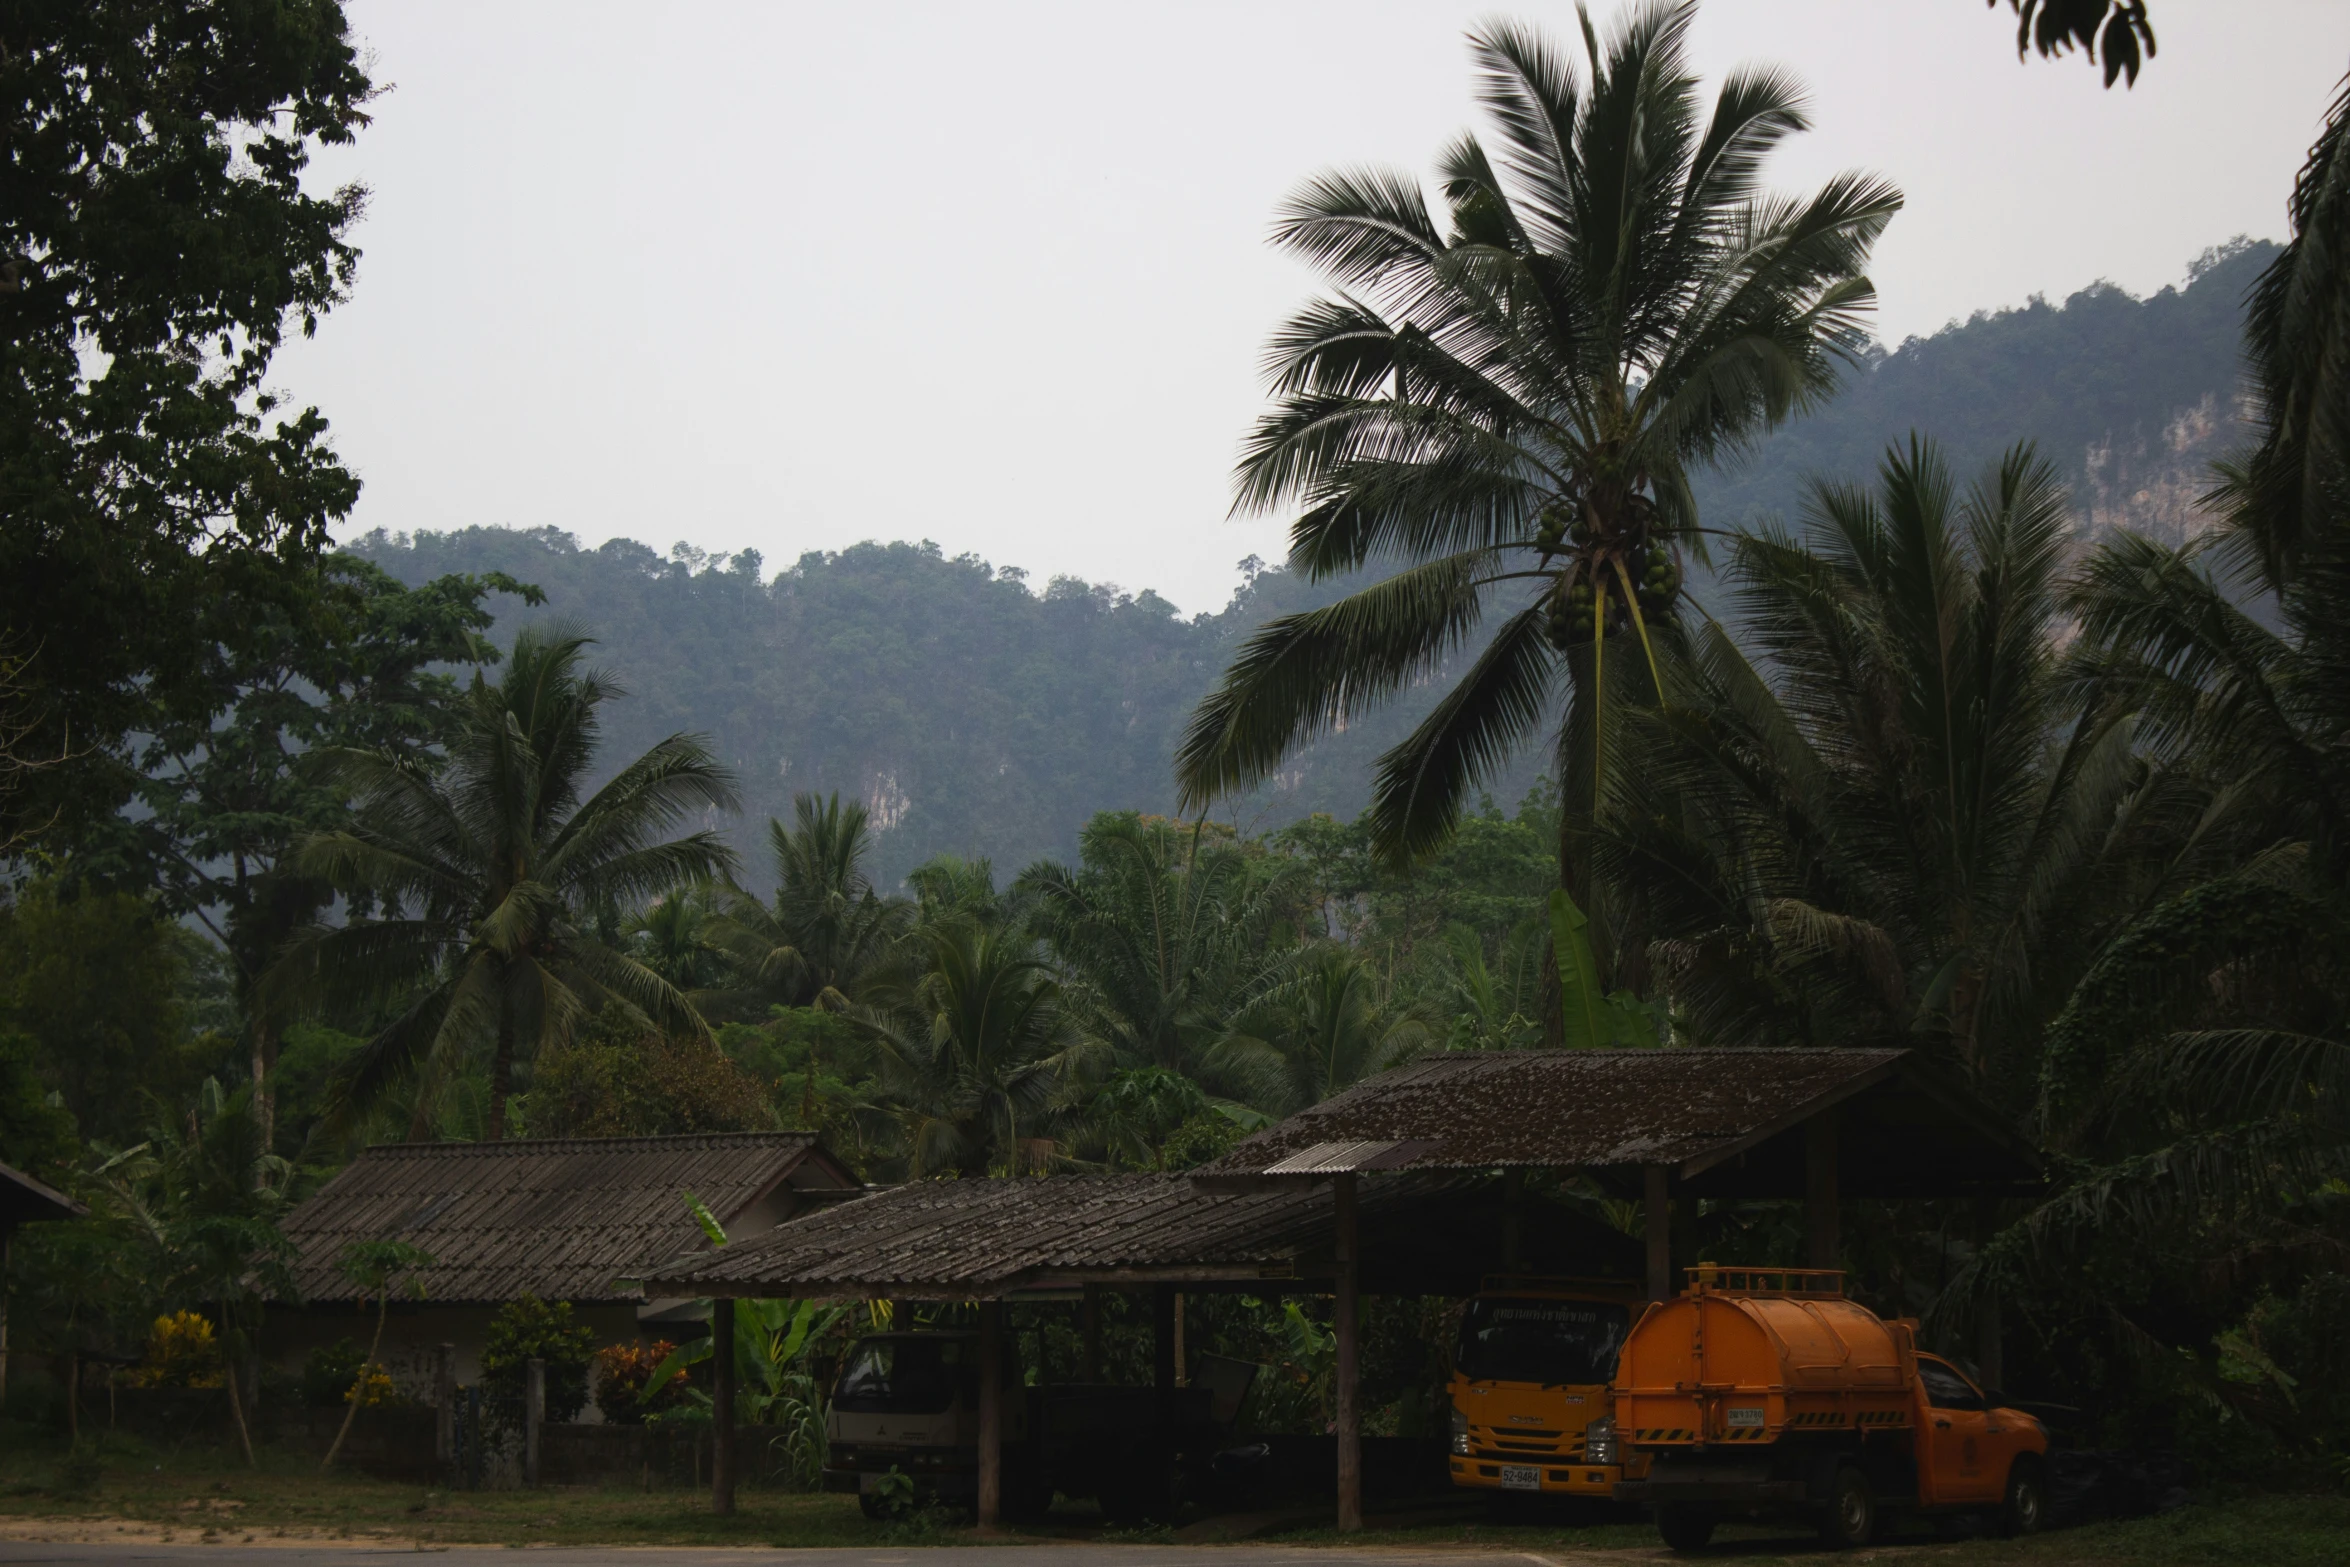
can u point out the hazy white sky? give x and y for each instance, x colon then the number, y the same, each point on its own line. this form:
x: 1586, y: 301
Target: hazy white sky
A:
x: 787, y: 276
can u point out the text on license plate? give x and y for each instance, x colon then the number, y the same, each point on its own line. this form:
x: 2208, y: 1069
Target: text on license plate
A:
x: 1520, y: 1477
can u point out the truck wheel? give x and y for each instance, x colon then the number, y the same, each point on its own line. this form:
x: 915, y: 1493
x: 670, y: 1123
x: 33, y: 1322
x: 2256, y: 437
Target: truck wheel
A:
x: 2026, y: 1504
x: 1686, y: 1526
x: 1851, y: 1517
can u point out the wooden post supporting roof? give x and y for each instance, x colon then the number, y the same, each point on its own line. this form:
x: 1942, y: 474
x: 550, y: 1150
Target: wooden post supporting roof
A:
x: 722, y: 1405
x: 991, y: 1414
x: 1163, y: 1352
x: 1821, y: 1241
x: 1513, y: 1200
x: 1350, y: 1436
x: 1657, y: 1224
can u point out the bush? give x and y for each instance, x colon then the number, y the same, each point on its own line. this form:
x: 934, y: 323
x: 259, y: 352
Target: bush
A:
x: 328, y: 1372
x: 532, y: 1329
x: 622, y: 1370
x: 182, y: 1351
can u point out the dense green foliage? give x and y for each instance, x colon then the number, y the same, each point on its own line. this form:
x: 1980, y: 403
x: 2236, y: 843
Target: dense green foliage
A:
x: 156, y: 243
x: 2060, y: 803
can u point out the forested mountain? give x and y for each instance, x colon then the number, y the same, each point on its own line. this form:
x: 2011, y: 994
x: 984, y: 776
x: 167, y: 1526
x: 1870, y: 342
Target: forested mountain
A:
x: 978, y: 716
x: 2130, y: 398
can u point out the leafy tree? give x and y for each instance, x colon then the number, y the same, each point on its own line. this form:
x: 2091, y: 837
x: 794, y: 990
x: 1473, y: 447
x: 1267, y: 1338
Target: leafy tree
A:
x: 98, y: 982
x: 229, y: 793
x: 617, y: 1078
x: 1161, y: 931
x: 828, y: 926
x: 36, y: 1130
x: 969, y: 1051
x: 1493, y: 1005
x: 1511, y: 395
x: 1493, y: 874
x: 533, y: 1329
x: 1135, y: 1113
x: 156, y: 242
x: 496, y: 865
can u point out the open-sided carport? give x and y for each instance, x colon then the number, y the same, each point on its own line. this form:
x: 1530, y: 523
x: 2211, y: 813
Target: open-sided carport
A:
x: 1451, y: 1137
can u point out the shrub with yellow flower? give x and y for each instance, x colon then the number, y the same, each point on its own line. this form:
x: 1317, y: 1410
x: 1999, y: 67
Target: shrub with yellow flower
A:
x: 182, y: 1351
x: 372, y: 1388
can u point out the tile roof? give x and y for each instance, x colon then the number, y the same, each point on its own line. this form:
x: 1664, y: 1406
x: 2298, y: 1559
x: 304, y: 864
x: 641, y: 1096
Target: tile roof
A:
x: 560, y: 1218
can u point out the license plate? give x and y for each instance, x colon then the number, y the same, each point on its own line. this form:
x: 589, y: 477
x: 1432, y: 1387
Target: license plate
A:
x: 1746, y: 1415
x: 1520, y: 1477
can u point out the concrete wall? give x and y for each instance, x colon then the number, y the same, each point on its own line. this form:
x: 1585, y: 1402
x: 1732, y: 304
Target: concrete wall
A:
x: 415, y: 1331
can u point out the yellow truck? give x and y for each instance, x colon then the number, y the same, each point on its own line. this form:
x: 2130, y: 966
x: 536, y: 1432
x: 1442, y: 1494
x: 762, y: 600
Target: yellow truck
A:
x: 1530, y: 1375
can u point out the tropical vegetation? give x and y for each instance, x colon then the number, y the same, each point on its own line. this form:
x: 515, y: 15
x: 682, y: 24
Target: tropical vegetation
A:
x: 1933, y: 749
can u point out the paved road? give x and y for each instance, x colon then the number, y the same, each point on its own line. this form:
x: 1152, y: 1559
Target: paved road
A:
x: 127, y: 1552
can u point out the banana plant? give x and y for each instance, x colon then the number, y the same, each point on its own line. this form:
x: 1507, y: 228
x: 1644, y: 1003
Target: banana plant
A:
x: 773, y: 1385
x: 1596, y: 1019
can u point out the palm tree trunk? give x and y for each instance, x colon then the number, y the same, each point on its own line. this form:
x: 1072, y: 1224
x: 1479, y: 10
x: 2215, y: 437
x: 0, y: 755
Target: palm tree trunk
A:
x: 502, y: 1073
x: 383, y: 1306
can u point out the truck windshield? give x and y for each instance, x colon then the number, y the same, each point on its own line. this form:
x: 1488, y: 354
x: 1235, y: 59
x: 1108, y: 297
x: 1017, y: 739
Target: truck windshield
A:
x: 1550, y: 1342
x: 902, y: 1376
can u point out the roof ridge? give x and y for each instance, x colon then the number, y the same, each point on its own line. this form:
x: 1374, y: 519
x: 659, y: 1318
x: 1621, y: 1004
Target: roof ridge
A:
x: 512, y: 1146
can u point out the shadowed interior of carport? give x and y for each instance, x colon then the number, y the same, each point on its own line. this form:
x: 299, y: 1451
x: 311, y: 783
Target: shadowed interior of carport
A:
x: 1409, y: 1183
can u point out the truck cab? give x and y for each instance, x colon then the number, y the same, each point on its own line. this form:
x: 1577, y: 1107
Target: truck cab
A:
x: 1530, y: 1375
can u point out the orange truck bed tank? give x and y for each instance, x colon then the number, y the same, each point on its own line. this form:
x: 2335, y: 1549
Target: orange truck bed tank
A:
x: 1764, y: 1392
x: 1722, y: 1365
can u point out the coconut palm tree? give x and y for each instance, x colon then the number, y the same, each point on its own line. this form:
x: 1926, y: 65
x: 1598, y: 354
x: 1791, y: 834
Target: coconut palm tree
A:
x: 1161, y: 931
x: 495, y: 863
x: 828, y: 925
x: 968, y: 1050
x: 1326, y: 1023
x: 1895, y: 826
x: 1508, y: 396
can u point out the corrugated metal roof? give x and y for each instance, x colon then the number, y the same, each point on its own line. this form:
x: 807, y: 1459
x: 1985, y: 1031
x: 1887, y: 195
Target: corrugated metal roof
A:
x: 1569, y: 1108
x: 560, y: 1218
x: 974, y: 1238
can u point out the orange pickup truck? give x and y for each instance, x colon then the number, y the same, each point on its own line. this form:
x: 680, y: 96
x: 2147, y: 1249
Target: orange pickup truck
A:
x: 1762, y: 1392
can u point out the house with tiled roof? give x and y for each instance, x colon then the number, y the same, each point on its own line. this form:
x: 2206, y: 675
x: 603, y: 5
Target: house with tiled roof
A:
x: 564, y: 1219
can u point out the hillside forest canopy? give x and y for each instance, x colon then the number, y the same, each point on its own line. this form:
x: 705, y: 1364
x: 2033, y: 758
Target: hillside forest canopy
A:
x: 1980, y: 695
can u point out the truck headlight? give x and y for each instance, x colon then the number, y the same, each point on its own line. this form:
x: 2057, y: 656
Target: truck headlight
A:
x: 1599, y: 1441
x: 1460, y: 1432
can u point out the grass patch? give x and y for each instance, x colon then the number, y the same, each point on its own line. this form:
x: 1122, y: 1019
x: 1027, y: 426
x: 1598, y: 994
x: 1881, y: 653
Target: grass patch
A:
x: 211, y: 1494
x: 199, y: 1494
x: 2255, y: 1531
